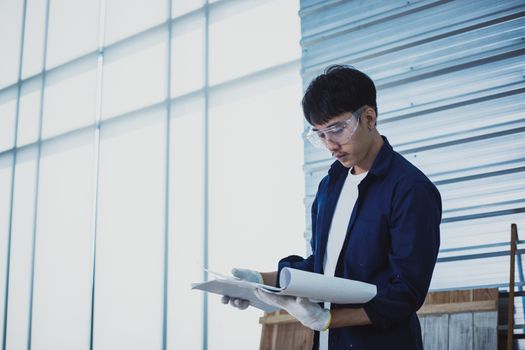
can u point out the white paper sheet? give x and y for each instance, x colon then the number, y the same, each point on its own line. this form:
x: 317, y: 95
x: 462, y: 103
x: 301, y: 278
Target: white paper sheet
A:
x: 236, y: 289
x: 322, y: 288
x: 295, y: 282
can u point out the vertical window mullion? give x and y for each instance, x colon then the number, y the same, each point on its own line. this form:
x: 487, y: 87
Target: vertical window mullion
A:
x: 13, y: 166
x: 96, y: 167
x: 37, y: 179
x: 206, y: 163
x: 167, y: 177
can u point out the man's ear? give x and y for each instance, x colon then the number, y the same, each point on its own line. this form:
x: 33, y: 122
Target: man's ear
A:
x: 370, y: 118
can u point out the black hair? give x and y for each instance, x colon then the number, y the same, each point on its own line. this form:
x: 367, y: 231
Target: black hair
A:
x: 338, y: 90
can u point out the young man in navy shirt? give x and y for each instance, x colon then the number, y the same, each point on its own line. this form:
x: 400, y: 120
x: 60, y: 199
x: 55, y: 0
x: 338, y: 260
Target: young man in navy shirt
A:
x: 375, y: 218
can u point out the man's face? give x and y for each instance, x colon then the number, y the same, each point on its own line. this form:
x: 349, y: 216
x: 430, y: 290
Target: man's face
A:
x: 354, y: 147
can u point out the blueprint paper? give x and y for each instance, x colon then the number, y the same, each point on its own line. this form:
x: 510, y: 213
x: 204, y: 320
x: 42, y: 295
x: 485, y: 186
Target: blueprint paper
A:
x: 322, y: 288
x: 235, y: 289
x: 294, y: 282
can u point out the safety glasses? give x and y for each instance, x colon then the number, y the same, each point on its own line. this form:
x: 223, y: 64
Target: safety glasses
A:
x: 340, y: 133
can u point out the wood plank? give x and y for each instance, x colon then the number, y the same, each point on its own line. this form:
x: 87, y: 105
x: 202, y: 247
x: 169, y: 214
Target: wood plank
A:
x: 472, y: 306
x: 485, y: 330
x: 441, y: 297
x: 275, y: 331
x: 436, y: 332
x: 453, y: 296
x: 485, y: 294
x: 303, y: 339
x: 460, y: 331
x: 285, y: 337
x: 266, y: 338
x: 269, y: 333
x: 293, y: 336
x: 458, y: 296
x: 277, y: 319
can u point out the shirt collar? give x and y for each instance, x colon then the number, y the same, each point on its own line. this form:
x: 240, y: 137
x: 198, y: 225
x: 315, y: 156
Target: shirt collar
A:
x: 379, y: 167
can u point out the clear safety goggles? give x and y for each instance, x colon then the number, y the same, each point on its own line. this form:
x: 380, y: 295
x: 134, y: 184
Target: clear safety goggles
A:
x: 340, y: 133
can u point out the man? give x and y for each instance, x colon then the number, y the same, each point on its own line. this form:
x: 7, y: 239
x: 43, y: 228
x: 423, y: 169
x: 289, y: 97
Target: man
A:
x: 375, y: 219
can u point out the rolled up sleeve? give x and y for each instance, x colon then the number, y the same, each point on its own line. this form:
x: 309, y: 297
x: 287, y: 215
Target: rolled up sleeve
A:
x: 295, y: 262
x: 414, y: 229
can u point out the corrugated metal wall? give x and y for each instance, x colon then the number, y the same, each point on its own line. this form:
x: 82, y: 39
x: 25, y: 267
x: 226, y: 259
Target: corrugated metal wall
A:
x: 451, y: 84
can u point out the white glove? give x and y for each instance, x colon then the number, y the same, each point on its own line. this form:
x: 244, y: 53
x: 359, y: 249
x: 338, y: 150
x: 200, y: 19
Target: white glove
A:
x: 248, y: 275
x: 309, y: 314
x: 245, y: 275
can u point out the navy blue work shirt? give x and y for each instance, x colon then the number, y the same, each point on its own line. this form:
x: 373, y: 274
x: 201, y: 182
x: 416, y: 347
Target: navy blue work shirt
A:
x: 392, y: 241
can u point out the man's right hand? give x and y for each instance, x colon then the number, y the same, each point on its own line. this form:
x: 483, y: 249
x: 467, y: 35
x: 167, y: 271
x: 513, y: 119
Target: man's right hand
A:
x: 245, y: 275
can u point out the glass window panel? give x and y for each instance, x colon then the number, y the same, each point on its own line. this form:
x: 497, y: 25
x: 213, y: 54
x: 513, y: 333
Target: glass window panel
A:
x: 185, y: 306
x: 134, y: 79
x: 257, y: 172
x: 70, y: 98
x: 33, y: 57
x: 29, y: 112
x: 241, y: 41
x: 187, y: 56
x: 7, y: 118
x: 62, y: 291
x: 21, y: 249
x: 10, y: 22
x: 130, y: 241
x: 73, y: 30
x: 180, y: 7
x: 125, y: 18
x: 6, y: 162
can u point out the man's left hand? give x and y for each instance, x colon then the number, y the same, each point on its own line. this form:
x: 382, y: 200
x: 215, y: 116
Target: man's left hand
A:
x: 309, y: 314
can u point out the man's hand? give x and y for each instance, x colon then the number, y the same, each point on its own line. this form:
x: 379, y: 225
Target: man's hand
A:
x: 309, y: 314
x: 245, y: 275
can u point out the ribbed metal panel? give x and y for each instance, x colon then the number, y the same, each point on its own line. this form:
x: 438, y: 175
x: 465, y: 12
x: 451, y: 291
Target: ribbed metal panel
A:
x: 451, y: 88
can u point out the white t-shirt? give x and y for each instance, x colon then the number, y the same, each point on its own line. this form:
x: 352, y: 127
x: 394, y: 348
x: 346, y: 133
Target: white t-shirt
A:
x: 337, y: 233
